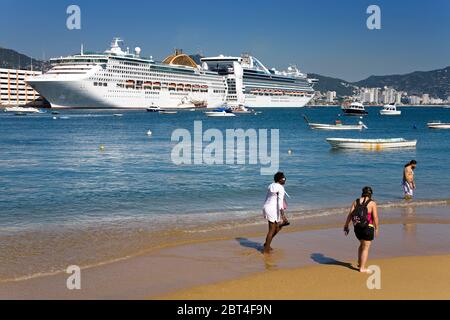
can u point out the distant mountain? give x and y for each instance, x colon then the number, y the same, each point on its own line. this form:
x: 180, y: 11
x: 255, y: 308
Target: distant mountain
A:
x: 435, y: 82
x: 342, y: 87
x: 11, y: 59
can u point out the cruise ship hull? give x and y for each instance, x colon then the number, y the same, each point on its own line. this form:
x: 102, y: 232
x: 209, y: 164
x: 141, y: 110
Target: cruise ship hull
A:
x: 255, y: 101
x: 82, y: 95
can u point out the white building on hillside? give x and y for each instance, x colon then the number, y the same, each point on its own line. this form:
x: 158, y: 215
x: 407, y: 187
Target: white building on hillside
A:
x: 13, y: 89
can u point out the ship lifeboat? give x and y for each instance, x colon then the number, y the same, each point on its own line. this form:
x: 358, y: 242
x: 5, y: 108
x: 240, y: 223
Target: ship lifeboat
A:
x: 147, y: 85
x: 195, y: 87
x: 129, y: 84
x: 187, y: 87
x: 180, y: 87
x: 204, y: 88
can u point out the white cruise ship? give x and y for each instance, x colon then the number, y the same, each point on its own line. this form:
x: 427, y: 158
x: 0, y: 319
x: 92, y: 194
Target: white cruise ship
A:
x: 250, y: 82
x: 120, y: 79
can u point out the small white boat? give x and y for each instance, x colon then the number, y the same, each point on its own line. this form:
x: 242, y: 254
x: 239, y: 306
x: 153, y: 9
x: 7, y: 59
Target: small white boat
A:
x: 153, y: 109
x: 438, y: 125
x: 167, y: 112
x: 221, y: 112
x: 354, y: 109
x: 22, y: 110
x: 337, y: 126
x: 371, y: 144
x: 117, y: 115
x: 390, y: 110
x: 240, y: 108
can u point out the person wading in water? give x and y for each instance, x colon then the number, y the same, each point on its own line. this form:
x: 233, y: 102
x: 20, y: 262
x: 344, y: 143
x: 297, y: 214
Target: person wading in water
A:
x: 274, y: 208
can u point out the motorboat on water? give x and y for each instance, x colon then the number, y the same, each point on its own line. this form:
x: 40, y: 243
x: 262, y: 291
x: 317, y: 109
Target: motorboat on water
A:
x: 438, y: 125
x: 167, y: 112
x: 354, y: 109
x: 371, y: 144
x: 240, y: 108
x: 153, y: 109
x: 337, y: 126
x: 23, y: 110
x: 390, y: 110
x: 220, y: 112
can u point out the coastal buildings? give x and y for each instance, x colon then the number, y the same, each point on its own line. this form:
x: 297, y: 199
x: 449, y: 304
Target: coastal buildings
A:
x: 13, y: 89
x: 379, y: 96
x: 331, y: 96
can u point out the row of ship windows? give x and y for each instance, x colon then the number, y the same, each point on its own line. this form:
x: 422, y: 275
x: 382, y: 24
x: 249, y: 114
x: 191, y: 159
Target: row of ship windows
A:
x: 160, y: 75
x: 99, y: 80
x: 298, y: 94
x: 136, y: 87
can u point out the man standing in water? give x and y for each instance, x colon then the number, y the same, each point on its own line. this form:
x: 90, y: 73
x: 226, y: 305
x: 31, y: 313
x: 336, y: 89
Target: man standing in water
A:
x: 274, y: 208
x: 409, y: 185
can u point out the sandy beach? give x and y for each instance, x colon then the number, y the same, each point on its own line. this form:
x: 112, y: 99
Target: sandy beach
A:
x: 401, y: 278
x: 413, y: 244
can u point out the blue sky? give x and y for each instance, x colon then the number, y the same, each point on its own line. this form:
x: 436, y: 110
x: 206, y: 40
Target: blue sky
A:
x: 329, y: 37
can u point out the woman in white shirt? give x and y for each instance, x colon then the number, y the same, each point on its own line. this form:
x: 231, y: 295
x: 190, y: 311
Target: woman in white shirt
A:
x: 274, y: 207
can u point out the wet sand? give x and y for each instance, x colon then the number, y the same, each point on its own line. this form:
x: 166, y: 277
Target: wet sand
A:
x: 234, y: 253
x: 400, y: 278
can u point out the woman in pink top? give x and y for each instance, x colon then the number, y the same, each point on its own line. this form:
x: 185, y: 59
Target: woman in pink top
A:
x: 364, y: 214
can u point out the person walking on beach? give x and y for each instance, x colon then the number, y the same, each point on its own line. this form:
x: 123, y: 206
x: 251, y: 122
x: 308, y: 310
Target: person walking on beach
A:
x: 274, y: 208
x: 409, y: 185
x: 364, y: 215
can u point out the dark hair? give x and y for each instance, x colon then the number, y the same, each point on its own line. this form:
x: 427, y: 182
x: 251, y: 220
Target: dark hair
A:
x: 411, y: 163
x: 278, y: 176
x: 367, y: 192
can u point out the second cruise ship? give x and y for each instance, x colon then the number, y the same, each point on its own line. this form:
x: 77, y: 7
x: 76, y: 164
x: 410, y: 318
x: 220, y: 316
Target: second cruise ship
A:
x: 120, y: 79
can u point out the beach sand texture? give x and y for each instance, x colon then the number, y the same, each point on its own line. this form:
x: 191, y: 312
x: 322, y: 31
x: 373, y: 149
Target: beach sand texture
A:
x: 401, y: 278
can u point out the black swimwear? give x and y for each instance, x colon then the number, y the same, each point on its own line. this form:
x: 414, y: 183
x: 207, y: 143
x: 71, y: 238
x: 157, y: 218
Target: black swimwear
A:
x: 366, y: 233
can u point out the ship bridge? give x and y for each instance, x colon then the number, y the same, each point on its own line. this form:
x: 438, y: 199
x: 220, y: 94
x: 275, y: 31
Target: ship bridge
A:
x: 180, y: 59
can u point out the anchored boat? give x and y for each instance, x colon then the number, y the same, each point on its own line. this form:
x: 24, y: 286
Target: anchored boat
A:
x: 390, y: 110
x: 22, y: 110
x: 371, y: 144
x: 221, y: 112
x: 354, y: 109
x: 337, y: 126
x: 438, y: 125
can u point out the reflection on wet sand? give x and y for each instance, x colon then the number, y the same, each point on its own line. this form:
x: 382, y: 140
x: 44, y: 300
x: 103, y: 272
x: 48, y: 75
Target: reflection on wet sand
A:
x: 409, y: 224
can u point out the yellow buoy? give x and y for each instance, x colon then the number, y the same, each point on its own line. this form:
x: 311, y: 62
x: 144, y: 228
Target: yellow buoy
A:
x: 102, y: 148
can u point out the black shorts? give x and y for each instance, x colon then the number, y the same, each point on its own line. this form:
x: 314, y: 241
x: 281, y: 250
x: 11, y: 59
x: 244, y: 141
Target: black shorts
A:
x: 365, y: 233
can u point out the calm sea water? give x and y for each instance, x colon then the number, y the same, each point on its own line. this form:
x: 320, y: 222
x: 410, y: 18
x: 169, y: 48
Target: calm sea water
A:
x: 54, y: 177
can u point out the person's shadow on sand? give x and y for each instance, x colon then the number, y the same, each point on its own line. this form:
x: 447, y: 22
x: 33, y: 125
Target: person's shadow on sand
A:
x: 322, y: 259
x: 250, y: 244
